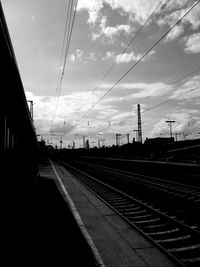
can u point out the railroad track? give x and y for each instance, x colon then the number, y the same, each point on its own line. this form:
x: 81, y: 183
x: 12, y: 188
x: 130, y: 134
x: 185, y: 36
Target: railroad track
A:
x: 179, y: 199
x: 183, y: 175
x: 186, y: 191
x: 177, y: 240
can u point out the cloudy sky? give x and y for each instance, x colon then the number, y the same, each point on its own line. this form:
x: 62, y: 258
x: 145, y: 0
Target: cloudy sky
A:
x: 166, y: 82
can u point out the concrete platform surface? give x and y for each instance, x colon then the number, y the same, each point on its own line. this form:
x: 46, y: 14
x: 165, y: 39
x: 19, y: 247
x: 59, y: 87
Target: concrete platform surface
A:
x: 47, y: 234
x: 112, y: 241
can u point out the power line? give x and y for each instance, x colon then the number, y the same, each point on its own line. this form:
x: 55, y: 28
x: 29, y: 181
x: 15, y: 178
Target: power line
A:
x: 185, y: 76
x: 125, y: 49
x: 70, y: 29
x: 146, y: 54
x: 193, y: 89
x: 141, y: 58
x: 130, y: 42
x: 64, y: 43
x: 68, y: 42
x: 65, y: 47
x: 170, y: 84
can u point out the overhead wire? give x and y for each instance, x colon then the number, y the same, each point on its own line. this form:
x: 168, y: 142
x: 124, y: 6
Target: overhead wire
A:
x: 141, y: 58
x: 63, y: 53
x: 125, y: 49
x: 131, y: 42
x: 160, y: 104
x: 170, y: 84
x: 128, y: 45
x: 68, y: 36
x: 69, y: 24
x: 63, y: 44
x: 68, y: 43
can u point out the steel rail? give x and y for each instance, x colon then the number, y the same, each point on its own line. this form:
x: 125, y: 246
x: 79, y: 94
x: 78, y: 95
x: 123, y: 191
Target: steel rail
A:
x: 178, y: 241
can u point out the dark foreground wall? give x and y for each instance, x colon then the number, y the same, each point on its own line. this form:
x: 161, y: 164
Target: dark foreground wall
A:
x: 18, y: 142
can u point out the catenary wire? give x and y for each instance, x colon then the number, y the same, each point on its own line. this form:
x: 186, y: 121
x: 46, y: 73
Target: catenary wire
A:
x: 63, y: 43
x: 144, y: 55
x: 170, y: 84
x: 160, y: 104
x: 63, y: 52
x: 68, y: 43
x: 65, y: 47
x: 128, y: 45
x: 141, y: 58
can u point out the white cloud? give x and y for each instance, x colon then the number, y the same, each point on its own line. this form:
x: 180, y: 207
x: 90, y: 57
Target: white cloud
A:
x: 122, y: 115
x: 152, y: 52
x: 69, y: 110
x: 72, y: 57
x: 109, y: 55
x: 176, y: 32
x: 140, y: 90
x: 153, y: 90
x: 172, y: 18
x: 92, y: 6
x: 192, y: 18
x: 79, y: 53
x: 171, y: 5
x: 185, y: 123
x: 192, y: 82
x: 127, y: 57
x: 92, y: 56
x: 187, y: 94
x: 108, y: 31
x: 139, y: 9
x: 192, y: 43
x: 160, y: 128
x: 76, y: 56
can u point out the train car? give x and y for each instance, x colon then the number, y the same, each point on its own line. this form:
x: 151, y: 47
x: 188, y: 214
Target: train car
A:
x: 18, y: 140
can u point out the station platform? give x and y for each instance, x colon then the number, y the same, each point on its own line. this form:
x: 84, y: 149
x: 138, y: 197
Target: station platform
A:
x: 110, y: 240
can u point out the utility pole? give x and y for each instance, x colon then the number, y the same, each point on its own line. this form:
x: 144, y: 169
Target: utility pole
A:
x: 127, y: 138
x: 31, y: 108
x: 170, y: 126
x: 61, y: 143
x: 139, y: 124
x: 176, y: 137
x: 136, y: 135
x: 83, y: 141
x: 73, y: 145
x: 99, y: 140
x: 87, y: 145
x: 103, y: 140
x: 118, y: 139
x: 51, y: 132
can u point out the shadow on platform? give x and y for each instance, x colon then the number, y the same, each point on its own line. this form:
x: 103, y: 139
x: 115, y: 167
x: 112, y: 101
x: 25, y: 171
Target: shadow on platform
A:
x: 48, y: 234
